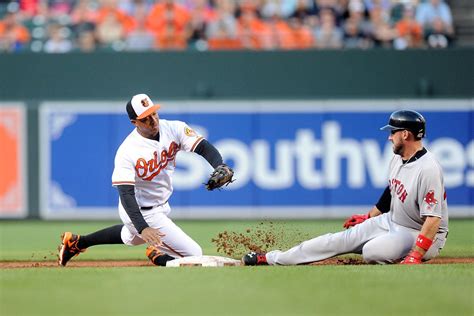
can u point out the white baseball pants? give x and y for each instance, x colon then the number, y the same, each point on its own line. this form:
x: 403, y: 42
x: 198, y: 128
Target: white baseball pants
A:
x: 176, y: 242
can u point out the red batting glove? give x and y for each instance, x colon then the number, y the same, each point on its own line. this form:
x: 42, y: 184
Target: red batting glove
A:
x: 355, y: 220
x: 414, y: 257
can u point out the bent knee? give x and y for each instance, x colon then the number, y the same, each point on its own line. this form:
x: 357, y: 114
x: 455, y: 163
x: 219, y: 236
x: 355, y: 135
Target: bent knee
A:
x: 197, y: 251
x: 193, y: 250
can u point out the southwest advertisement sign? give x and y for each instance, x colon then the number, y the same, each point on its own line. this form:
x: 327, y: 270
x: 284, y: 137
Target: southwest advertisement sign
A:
x: 13, y: 196
x: 292, y: 159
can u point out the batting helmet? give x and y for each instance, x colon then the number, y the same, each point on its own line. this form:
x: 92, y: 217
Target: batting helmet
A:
x: 409, y: 120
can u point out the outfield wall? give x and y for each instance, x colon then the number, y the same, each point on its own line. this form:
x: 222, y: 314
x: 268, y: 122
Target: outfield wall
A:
x: 292, y: 159
x: 321, y: 74
x: 250, y: 83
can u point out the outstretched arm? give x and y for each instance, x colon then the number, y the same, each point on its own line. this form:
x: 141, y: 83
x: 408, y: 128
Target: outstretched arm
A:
x: 209, y: 152
x: 222, y: 174
x: 382, y: 206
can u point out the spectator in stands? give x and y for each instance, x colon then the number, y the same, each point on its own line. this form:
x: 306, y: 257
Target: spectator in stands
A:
x: 428, y: 11
x: 299, y: 36
x: 304, y: 10
x: 59, y: 8
x: 201, y: 15
x: 84, y: 12
x: 159, y: 17
x: 379, y: 28
x: 328, y: 35
x: 110, y: 31
x: 437, y: 35
x: 385, y: 5
x: 338, y: 8
x: 57, y: 42
x: 83, y: 19
x: 140, y: 38
x: 14, y: 37
x: 356, y: 13
x: 354, y: 38
x: 222, y: 31
x: 282, y: 8
x: 130, y: 7
x: 86, y: 42
x: 409, y: 32
x: 171, y: 37
x: 110, y: 13
x: 252, y: 32
x: 29, y: 8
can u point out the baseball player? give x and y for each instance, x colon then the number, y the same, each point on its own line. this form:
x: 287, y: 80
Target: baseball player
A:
x: 408, y: 223
x: 144, y: 165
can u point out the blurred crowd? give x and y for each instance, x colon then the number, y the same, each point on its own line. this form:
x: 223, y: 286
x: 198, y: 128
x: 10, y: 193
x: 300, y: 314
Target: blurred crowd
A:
x: 61, y: 26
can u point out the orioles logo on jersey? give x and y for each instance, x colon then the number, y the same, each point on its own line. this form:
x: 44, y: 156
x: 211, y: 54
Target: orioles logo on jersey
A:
x: 148, y: 170
x: 430, y: 199
x: 145, y: 103
x: 189, y: 132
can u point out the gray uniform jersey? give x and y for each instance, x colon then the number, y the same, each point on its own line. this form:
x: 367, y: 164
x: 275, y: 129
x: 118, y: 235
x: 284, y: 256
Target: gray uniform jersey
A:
x: 417, y: 190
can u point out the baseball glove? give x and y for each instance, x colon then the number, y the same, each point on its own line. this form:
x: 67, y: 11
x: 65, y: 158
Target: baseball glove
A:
x: 221, y: 176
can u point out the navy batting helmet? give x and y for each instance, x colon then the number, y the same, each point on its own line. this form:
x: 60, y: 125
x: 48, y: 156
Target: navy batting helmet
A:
x: 409, y: 120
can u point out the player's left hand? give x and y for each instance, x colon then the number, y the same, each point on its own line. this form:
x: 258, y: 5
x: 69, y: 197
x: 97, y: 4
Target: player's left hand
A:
x: 414, y: 257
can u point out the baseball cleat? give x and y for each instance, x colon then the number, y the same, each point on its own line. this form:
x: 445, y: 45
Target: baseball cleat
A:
x: 254, y: 259
x: 157, y: 257
x: 68, y: 248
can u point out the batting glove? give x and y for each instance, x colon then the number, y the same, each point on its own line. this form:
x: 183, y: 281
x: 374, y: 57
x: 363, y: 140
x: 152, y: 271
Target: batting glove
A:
x: 355, y: 220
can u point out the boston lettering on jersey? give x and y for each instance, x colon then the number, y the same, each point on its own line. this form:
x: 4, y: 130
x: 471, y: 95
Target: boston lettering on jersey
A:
x: 154, y: 166
x: 398, y: 188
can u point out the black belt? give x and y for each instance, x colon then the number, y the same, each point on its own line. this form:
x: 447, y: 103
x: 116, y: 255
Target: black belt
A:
x: 147, y: 208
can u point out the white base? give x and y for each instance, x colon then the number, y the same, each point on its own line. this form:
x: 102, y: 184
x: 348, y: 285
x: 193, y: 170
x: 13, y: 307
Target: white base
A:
x: 203, y: 261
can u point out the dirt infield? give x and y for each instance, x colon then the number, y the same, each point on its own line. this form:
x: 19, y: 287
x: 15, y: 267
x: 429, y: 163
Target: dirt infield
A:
x: 144, y: 263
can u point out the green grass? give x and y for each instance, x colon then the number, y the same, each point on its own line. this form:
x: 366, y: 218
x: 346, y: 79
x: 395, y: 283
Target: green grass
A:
x: 38, y: 240
x: 300, y: 290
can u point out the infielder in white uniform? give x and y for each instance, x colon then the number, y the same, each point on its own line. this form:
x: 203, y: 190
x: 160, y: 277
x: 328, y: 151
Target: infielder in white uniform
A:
x: 409, y: 222
x: 144, y: 165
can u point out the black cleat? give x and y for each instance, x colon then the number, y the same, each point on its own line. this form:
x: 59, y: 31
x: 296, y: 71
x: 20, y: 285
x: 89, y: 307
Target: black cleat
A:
x: 255, y: 259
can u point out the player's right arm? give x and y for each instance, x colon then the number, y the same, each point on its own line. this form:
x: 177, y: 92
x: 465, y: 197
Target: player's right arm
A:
x: 382, y: 206
x: 123, y: 178
x: 129, y: 202
x: 431, y: 193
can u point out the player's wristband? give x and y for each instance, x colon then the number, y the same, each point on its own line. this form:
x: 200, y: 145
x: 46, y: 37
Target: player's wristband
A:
x: 423, y: 242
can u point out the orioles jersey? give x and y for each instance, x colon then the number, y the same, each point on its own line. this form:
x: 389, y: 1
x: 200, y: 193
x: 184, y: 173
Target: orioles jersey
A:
x: 417, y: 190
x: 149, y: 164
